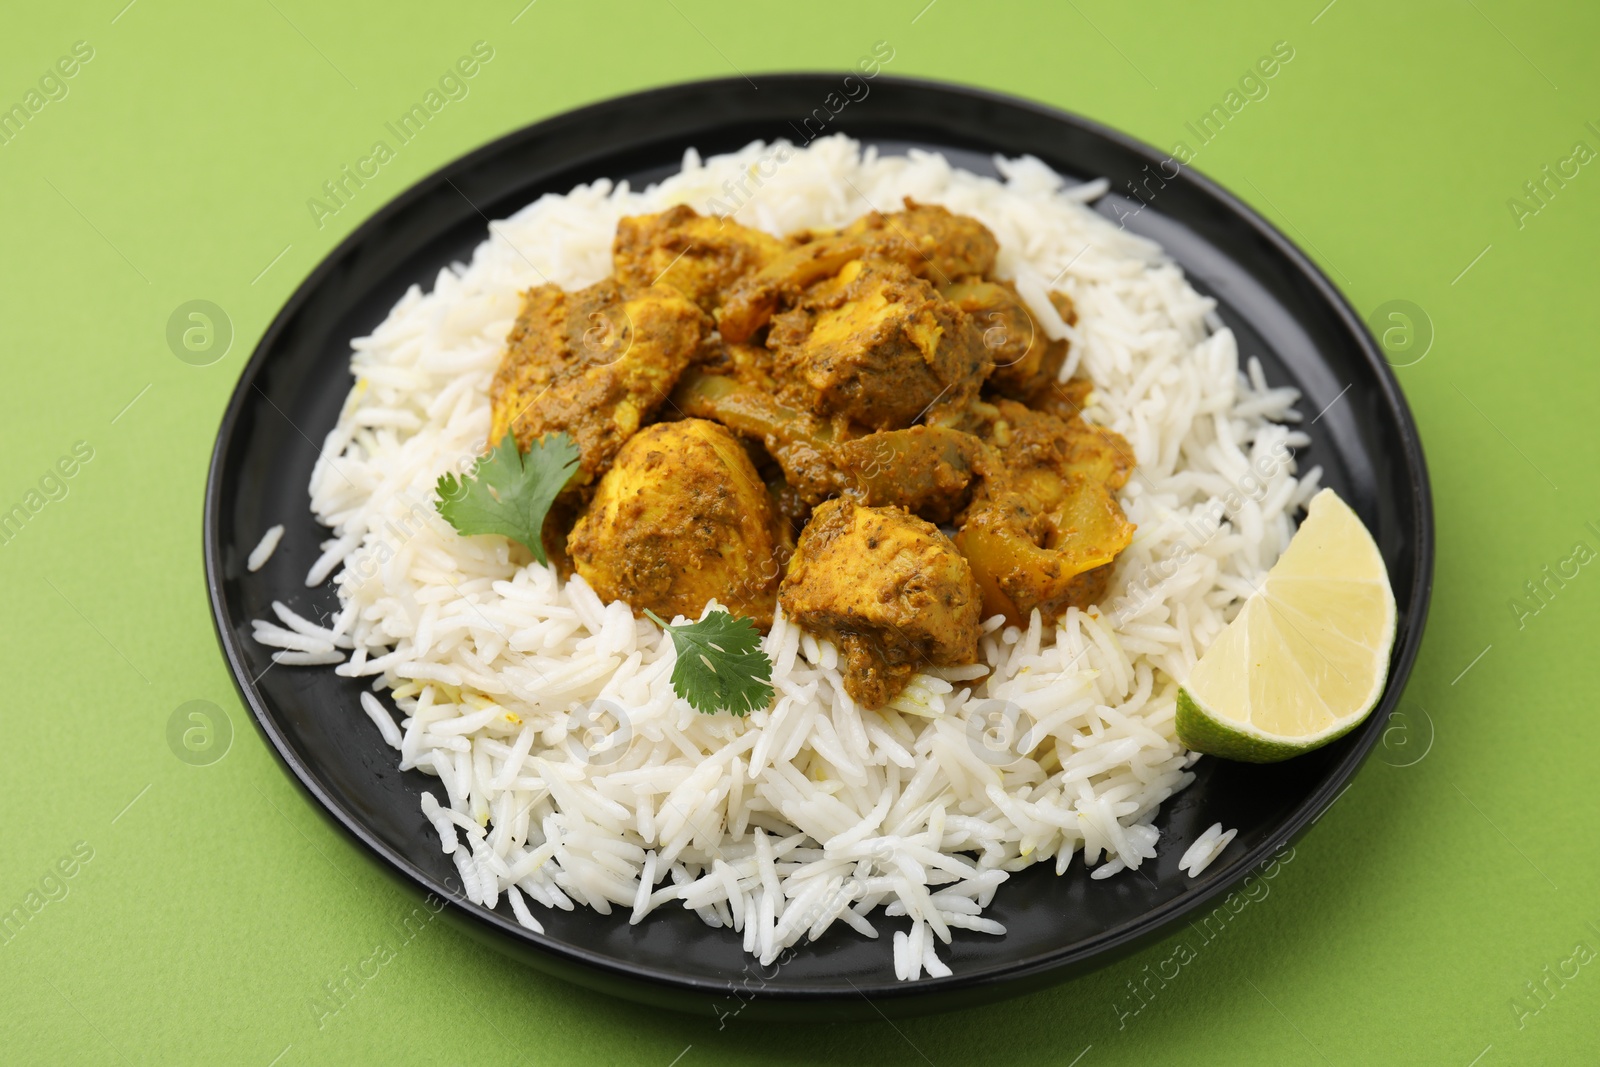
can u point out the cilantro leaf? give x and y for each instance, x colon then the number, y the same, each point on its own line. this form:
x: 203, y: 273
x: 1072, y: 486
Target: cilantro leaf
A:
x: 721, y: 666
x: 509, y: 493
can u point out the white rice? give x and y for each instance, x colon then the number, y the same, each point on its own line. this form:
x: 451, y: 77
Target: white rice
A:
x: 264, y: 549
x: 1206, y: 848
x: 570, y: 772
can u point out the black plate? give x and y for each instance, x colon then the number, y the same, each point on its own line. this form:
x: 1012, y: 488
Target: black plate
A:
x: 1281, y: 307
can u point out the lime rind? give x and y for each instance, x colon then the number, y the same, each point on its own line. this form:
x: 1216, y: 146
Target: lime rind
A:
x: 1265, y: 665
x: 1201, y: 731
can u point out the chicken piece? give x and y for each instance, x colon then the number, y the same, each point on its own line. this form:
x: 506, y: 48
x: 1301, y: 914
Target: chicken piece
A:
x: 699, y: 255
x: 925, y: 469
x: 800, y: 443
x: 680, y: 519
x: 889, y: 589
x: 878, y: 347
x: 595, y: 364
x: 746, y: 364
x: 933, y: 241
x: 1039, y: 449
x: 927, y: 240
x: 1025, y: 361
x: 1044, y: 524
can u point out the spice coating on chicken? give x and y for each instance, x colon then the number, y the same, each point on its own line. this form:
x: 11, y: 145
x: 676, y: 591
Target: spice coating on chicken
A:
x: 928, y: 240
x: 1024, y: 360
x: 680, y: 519
x: 889, y: 589
x: 699, y: 255
x: 594, y: 364
x: 878, y: 347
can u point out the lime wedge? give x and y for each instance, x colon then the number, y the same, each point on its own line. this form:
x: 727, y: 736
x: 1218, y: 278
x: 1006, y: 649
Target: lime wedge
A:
x: 1307, y: 656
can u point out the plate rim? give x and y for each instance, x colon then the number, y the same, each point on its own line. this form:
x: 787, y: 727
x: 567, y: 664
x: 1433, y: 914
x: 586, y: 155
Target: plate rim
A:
x: 1100, y: 949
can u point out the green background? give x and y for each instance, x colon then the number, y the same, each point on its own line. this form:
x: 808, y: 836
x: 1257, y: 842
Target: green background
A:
x: 1453, y: 871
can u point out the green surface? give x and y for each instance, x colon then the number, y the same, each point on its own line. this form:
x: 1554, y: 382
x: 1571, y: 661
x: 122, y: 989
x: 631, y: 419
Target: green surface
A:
x: 1414, y: 923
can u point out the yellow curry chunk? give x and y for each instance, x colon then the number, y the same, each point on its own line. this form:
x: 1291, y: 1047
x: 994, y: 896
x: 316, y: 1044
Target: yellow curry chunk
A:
x: 927, y: 240
x: 595, y: 364
x: 680, y: 519
x: 1024, y: 361
x: 934, y: 242
x: 924, y: 469
x: 699, y: 255
x: 889, y: 589
x: 878, y: 347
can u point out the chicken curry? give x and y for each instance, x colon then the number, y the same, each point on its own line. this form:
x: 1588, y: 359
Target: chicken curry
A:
x: 864, y: 426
